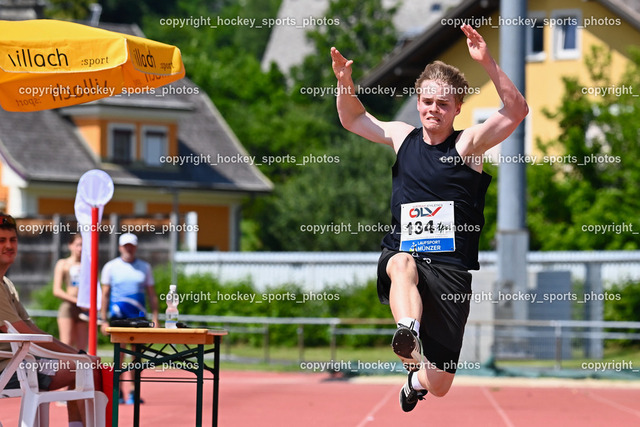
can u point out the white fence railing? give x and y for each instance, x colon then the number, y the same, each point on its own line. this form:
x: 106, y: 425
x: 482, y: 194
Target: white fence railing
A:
x: 315, y: 270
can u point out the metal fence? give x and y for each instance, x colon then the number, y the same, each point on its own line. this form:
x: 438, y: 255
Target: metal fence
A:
x: 43, y: 240
x: 551, y: 342
x: 315, y: 270
x: 556, y: 340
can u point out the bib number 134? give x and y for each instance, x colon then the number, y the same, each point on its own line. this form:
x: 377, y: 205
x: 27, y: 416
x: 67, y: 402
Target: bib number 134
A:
x: 427, y: 227
x: 418, y: 227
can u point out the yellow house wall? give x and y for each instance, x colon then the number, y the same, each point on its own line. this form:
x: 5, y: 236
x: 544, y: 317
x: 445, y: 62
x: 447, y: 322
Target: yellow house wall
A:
x: 213, y: 222
x: 50, y: 206
x: 95, y: 133
x: 544, y: 86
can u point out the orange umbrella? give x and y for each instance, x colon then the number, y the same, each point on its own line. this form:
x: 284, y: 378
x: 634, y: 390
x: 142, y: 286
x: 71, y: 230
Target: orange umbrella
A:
x: 47, y: 64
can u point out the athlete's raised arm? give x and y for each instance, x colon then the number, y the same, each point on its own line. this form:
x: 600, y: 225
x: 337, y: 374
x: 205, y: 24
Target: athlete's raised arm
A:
x: 501, y: 124
x: 352, y: 113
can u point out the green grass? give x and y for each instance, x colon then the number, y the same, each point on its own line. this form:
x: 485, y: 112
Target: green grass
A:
x: 287, y: 359
x: 614, y: 354
x: 292, y: 354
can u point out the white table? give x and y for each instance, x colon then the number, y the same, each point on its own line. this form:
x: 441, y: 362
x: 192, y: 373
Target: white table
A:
x: 24, y: 341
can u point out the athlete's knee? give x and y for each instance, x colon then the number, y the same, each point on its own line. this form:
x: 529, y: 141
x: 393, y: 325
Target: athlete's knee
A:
x: 437, y: 382
x: 440, y: 390
x: 402, y: 265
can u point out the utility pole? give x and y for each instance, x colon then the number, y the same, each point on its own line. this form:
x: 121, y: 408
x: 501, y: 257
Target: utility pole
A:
x: 513, y: 236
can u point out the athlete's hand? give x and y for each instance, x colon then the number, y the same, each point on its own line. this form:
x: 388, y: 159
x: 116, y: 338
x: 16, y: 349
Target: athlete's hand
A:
x: 341, y: 66
x: 477, y: 46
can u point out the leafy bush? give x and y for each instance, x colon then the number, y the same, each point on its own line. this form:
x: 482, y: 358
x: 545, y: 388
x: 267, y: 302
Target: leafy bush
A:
x: 203, y: 294
x: 44, y: 300
x: 626, y: 308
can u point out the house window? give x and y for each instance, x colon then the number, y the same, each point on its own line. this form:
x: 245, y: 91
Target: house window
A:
x: 566, y: 34
x: 122, y: 144
x: 154, y: 145
x: 535, y: 38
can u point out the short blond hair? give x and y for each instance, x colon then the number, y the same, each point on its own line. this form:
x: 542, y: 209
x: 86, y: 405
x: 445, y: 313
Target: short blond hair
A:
x: 440, y: 72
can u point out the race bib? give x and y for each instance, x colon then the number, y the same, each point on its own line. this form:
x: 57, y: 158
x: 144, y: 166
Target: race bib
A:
x: 427, y: 227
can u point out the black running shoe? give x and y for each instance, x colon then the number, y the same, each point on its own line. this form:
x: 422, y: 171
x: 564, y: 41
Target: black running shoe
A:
x: 409, y: 396
x: 408, y: 347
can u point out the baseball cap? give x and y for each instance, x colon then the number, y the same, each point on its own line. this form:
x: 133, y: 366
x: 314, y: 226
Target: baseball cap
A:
x: 128, y: 238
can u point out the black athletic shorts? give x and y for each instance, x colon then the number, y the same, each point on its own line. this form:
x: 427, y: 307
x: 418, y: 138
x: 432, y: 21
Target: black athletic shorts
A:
x: 445, y: 290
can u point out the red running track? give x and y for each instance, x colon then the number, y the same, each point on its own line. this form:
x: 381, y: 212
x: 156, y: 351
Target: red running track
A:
x: 304, y: 399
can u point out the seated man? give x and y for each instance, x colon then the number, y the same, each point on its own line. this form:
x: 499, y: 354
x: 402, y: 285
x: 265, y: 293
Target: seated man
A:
x: 51, y: 374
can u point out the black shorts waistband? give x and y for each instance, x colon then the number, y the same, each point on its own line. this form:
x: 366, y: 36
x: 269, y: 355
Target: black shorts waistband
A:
x: 435, y: 263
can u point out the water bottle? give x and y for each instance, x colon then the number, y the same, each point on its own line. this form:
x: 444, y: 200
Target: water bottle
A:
x: 171, y: 315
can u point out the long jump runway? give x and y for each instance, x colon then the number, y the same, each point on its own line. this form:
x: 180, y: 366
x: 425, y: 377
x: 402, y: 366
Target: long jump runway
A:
x: 315, y: 400
x: 249, y: 399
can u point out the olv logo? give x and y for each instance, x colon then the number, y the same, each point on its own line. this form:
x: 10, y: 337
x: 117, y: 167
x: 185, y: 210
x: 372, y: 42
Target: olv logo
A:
x: 423, y: 212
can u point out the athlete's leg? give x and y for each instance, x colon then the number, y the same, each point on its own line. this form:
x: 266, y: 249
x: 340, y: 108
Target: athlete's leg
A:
x: 81, y: 333
x: 428, y: 379
x: 406, y: 305
x: 404, y: 298
x: 65, y: 329
x: 436, y: 381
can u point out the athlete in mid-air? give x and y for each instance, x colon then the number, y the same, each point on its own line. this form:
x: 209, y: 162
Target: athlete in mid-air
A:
x: 437, y: 204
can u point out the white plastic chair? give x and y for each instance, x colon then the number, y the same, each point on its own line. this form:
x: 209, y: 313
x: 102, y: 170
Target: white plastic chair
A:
x: 34, y: 408
x: 17, y: 392
x: 16, y: 358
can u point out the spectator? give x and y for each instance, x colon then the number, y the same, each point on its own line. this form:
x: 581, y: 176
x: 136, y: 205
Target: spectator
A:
x: 74, y: 330
x: 126, y: 283
x: 51, y: 376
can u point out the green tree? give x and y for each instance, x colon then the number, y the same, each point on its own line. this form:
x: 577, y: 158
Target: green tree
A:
x: 595, y: 181
x: 333, y: 192
x: 225, y: 62
x: 68, y: 9
x: 362, y: 30
x: 488, y: 235
x: 132, y: 12
x: 282, y: 127
x: 354, y: 192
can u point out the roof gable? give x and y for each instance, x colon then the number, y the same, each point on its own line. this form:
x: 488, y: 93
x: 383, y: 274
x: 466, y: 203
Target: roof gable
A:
x: 46, y: 145
x: 402, y: 66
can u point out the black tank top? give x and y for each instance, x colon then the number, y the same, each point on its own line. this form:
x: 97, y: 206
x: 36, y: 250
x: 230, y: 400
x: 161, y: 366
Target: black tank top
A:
x: 425, y: 173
